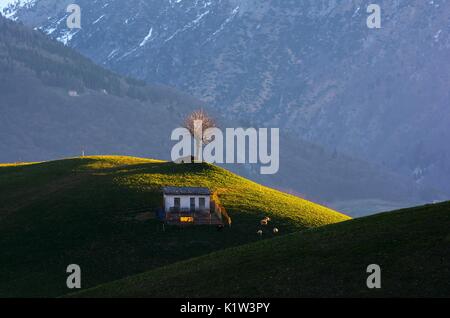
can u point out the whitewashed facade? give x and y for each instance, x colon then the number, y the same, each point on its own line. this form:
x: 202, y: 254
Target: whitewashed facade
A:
x: 186, y: 199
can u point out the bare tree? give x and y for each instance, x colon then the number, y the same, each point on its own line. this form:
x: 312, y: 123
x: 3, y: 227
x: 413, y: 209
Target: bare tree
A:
x: 201, y: 138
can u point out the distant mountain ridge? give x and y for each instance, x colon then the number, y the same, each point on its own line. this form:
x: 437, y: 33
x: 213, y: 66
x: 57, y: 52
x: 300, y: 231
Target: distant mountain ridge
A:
x: 310, y: 67
x: 56, y: 104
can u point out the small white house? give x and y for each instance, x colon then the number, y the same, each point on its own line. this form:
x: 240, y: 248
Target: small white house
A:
x: 72, y: 93
x: 186, y: 199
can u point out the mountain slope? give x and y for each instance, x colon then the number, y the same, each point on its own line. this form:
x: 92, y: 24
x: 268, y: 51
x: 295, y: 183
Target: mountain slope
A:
x: 310, y: 67
x: 411, y: 247
x: 56, y: 103
x: 44, y: 119
x: 98, y: 212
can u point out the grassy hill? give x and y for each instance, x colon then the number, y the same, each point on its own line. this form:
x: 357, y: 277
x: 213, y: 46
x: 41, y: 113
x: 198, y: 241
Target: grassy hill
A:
x: 97, y: 212
x: 411, y: 246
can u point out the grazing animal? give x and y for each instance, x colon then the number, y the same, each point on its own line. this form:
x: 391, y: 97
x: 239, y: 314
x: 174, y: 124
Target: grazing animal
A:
x: 264, y: 222
x: 275, y: 230
x: 260, y: 232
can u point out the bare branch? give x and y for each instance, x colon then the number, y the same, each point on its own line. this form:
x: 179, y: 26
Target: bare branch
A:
x: 207, y: 122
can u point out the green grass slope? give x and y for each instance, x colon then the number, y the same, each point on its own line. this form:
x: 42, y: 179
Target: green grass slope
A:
x: 96, y: 212
x: 412, y: 247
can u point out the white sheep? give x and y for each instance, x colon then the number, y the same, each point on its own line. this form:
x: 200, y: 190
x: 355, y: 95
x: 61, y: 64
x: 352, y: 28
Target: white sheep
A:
x: 275, y: 230
x: 260, y: 232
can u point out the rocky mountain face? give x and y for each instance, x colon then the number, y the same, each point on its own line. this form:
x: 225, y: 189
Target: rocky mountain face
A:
x: 311, y: 67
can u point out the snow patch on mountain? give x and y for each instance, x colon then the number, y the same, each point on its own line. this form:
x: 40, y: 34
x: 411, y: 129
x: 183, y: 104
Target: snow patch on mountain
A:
x: 50, y: 29
x: 224, y: 24
x: 9, y: 8
x: 148, y: 37
x: 112, y: 54
x: 188, y: 26
x: 67, y: 36
x: 99, y: 19
x: 437, y: 35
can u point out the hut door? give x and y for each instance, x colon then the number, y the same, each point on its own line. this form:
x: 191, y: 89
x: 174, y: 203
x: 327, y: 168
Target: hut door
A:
x: 192, y: 204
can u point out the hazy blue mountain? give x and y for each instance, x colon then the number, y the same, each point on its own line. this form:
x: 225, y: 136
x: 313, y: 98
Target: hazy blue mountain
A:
x: 311, y: 67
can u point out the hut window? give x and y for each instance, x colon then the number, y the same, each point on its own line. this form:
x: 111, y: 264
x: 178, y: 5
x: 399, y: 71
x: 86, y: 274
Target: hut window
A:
x: 192, y: 204
x: 201, y: 203
x: 176, y: 203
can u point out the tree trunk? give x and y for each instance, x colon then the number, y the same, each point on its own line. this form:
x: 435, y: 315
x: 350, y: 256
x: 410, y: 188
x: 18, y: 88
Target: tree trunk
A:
x: 198, y: 147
